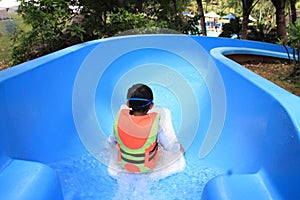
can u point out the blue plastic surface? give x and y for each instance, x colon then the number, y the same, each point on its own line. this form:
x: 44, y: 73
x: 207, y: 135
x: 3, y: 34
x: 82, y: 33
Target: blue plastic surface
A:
x: 62, y: 105
x: 28, y: 180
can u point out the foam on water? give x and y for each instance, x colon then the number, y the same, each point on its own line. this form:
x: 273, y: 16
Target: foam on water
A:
x: 86, y: 178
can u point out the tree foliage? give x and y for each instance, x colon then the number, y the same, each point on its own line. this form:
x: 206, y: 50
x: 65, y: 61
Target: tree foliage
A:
x: 48, y: 20
x: 56, y: 24
x: 60, y: 23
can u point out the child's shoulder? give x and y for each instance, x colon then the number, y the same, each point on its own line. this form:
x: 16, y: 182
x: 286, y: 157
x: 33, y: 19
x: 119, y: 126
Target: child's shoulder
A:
x: 161, y: 110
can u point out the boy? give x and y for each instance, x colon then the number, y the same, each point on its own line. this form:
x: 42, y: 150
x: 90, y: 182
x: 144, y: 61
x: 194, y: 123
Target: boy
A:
x: 139, y: 134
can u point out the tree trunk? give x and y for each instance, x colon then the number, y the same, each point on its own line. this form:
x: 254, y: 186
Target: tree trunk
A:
x: 293, y: 11
x: 139, y: 5
x: 280, y: 18
x: 245, y: 25
x: 202, y: 18
x: 247, y: 8
x: 174, y: 8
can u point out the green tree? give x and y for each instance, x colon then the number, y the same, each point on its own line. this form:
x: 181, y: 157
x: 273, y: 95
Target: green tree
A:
x: 123, y: 21
x: 264, y: 12
x: 55, y: 25
x: 47, y: 20
x: 162, y: 14
x: 235, y: 6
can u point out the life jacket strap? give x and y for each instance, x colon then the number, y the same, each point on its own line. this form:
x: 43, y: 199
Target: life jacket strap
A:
x: 133, y: 161
x: 132, y: 154
x: 153, y: 152
x: 149, y: 155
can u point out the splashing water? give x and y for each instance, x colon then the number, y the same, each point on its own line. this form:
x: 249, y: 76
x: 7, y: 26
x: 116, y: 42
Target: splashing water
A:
x: 86, y: 178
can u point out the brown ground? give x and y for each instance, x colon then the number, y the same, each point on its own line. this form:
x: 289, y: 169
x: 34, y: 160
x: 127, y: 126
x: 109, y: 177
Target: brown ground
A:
x: 275, y: 70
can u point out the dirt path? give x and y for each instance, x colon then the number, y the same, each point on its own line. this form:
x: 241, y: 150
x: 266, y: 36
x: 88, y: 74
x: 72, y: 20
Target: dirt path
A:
x: 273, y: 69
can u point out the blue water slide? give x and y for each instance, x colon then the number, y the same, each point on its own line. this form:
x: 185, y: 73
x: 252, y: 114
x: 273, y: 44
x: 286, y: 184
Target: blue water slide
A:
x: 240, y: 131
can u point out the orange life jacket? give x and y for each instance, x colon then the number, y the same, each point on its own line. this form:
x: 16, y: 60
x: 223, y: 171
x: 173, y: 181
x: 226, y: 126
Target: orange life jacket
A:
x: 136, y: 137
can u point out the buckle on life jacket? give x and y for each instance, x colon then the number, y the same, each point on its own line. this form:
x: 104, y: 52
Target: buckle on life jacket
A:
x: 151, y: 155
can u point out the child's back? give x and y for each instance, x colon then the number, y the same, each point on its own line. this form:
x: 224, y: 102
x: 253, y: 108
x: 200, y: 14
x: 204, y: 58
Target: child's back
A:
x: 141, y: 136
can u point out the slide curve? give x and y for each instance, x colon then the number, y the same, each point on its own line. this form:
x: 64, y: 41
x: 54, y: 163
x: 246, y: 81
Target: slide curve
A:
x: 240, y: 131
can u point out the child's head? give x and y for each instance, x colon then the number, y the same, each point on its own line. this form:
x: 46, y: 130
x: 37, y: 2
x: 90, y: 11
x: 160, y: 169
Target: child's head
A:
x: 140, y: 98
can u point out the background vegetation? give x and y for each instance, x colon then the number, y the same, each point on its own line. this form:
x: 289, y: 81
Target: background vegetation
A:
x: 45, y: 26
x: 7, y: 30
x: 53, y: 25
